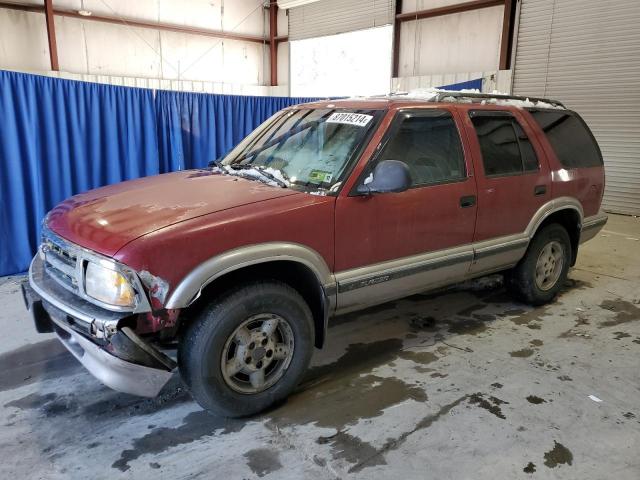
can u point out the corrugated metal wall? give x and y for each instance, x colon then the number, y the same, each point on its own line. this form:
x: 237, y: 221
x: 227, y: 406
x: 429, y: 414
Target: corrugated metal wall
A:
x: 330, y: 17
x: 586, y: 53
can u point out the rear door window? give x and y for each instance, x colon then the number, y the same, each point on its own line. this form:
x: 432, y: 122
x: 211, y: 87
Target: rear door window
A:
x: 570, y: 138
x: 505, y: 147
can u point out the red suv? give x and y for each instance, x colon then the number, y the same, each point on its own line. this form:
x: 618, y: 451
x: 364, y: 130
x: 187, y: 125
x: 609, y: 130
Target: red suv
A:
x: 326, y: 208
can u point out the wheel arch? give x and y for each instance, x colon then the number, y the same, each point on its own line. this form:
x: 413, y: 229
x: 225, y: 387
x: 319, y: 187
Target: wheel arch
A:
x: 296, y: 265
x: 565, y: 211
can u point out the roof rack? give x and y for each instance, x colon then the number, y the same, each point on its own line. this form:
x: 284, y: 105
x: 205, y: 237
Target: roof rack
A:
x: 440, y: 96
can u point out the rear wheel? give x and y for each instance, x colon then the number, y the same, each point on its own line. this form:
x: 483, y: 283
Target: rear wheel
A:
x: 539, y: 276
x: 248, y: 349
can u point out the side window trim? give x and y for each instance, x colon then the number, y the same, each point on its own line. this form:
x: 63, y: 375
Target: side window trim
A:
x: 399, y: 117
x: 520, y: 147
x: 514, y: 119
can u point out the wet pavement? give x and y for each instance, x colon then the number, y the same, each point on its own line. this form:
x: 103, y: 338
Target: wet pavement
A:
x: 464, y: 383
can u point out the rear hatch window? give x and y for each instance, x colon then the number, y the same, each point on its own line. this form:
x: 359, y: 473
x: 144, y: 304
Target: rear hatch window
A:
x: 570, y: 138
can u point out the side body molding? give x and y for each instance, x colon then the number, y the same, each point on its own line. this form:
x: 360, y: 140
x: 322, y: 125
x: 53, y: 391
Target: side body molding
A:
x: 504, y: 252
x: 191, y: 286
x: 373, y: 284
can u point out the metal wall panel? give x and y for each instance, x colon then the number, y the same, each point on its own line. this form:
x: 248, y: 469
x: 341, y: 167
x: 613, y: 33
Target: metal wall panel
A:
x: 586, y: 53
x: 329, y: 17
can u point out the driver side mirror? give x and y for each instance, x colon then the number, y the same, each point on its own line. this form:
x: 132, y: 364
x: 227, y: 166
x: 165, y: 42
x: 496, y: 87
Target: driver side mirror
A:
x: 389, y: 176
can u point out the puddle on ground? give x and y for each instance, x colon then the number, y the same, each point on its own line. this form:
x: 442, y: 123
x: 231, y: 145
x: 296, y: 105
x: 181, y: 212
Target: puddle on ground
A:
x: 558, y: 455
x: 571, y: 284
x: 491, y: 404
x: 466, y: 312
x: 467, y: 326
x: 620, y: 335
x: 418, y: 357
x: 533, y: 318
x: 350, y: 448
x: 32, y: 401
x: 422, y: 323
x: 334, y: 403
x: 342, y: 393
x: 524, y: 353
x: 535, y: 400
x: 625, y: 312
x: 527, y: 318
x: 115, y: 404
x: 530, y: 468
x: 377, y: 457
x: 48, y: 404
x: 263, y: 461
x: 196, y: 425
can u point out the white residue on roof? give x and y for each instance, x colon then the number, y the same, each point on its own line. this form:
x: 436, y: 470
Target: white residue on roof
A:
x: 526, y: 103
x: 430, y: 94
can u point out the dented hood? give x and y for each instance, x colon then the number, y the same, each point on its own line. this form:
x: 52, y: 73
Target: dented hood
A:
x: 106, y: 219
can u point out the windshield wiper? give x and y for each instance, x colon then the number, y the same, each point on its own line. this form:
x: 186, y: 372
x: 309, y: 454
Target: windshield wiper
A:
x: 271, y: 176
x: 262, y: 172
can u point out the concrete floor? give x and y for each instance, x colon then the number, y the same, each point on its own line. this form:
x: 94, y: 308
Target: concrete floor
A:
x: 465, y: 384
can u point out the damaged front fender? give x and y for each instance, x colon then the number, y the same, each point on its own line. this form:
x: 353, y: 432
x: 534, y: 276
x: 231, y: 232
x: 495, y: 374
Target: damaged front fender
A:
x: 159, y: 317
x: 156, y: 286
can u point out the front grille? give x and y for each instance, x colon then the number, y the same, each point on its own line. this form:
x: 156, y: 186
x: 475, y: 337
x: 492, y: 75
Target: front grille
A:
x: 60, y: 261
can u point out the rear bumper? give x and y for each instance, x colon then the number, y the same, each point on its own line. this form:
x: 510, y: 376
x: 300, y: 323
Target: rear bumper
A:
x: 592, y: 225
x: 122, y: 360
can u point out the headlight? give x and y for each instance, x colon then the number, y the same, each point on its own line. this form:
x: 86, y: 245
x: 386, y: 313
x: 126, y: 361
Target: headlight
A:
x: 108, y: 286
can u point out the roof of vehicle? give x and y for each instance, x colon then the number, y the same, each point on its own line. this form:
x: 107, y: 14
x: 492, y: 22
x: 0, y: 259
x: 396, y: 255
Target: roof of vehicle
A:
x: 431, y: 96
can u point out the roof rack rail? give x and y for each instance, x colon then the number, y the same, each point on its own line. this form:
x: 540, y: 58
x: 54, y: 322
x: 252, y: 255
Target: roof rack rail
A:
x: 440, y: 96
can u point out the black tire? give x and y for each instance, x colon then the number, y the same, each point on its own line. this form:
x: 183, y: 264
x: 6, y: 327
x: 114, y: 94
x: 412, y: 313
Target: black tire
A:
x: 201, y: 347
x: 521, y: 280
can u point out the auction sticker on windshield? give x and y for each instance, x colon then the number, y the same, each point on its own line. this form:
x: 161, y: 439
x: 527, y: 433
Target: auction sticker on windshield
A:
x: 357, y: 119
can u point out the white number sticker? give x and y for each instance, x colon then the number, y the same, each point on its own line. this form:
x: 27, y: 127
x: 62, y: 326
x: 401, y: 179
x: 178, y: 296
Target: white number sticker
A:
x: 357, y: 119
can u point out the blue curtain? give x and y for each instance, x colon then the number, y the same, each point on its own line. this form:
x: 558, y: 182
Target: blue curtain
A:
x: 468, y: 85
x: 194, y: 128
x: 62, y: 137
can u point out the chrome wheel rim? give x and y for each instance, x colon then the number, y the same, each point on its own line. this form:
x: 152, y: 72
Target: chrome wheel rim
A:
x: 257, y: 353
x: 549, y: 265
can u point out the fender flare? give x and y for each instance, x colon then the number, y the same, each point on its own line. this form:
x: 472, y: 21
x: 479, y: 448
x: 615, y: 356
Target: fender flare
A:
x: 551, y: 207
x: 190, y: 287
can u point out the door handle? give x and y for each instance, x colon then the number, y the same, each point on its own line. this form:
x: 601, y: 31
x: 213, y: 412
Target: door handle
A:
x: 467, y: 201
x: 539, y: 190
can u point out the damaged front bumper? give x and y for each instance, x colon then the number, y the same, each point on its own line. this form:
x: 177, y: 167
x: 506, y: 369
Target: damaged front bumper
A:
x: 98, y: 338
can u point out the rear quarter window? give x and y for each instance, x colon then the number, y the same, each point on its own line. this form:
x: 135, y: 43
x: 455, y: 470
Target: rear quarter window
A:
x: 570, y: 138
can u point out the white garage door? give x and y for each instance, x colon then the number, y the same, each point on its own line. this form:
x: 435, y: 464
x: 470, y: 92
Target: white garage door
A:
x: 329, y: 17
x: 586, y: 53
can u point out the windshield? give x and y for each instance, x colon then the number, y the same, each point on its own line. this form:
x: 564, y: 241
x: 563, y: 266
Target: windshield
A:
x: 308, y: 148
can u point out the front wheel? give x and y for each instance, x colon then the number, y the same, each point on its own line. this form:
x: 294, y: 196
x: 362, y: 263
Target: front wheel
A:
x: 248, y: 349
x: 542, y: 272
